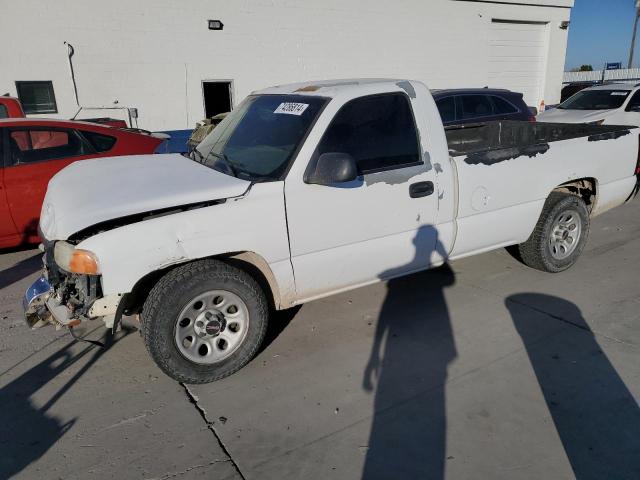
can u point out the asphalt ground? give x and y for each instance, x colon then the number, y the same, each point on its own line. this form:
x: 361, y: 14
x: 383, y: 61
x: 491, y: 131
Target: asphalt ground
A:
x: 481, y: 369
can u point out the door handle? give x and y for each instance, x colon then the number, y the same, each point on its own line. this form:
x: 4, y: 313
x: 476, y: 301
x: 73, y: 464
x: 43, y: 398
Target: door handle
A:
x: 420, y: 189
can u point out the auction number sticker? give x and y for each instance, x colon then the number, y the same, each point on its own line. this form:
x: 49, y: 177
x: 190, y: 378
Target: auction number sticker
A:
x: 291, y: 108
x: 619, y: 93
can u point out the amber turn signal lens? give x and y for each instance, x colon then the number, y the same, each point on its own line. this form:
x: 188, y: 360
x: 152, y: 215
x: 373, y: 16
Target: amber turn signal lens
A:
x: 83, y: 261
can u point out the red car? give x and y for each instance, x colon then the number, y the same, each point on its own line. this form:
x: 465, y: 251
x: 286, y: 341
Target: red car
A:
x: 32, y: 151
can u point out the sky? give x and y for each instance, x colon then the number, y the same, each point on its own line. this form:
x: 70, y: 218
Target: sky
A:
x: 600, y: 31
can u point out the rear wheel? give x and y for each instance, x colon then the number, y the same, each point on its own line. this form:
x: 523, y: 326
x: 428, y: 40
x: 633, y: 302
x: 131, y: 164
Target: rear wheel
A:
x: 204, y: 321
x: 559, y: 236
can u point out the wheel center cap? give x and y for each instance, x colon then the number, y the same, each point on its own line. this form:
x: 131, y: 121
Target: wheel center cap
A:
x: 214, y: 323
x: 213, y: 327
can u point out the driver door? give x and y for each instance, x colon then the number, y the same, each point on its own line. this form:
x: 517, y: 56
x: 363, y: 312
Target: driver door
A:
x: 377, y: 226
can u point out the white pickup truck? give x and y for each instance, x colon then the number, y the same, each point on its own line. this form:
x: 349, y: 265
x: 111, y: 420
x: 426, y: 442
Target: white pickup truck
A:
x: 304, y: 191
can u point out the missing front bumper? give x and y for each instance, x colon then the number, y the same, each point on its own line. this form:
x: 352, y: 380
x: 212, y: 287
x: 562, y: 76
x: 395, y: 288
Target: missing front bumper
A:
x: 34, y: 303
x: 43, y: 306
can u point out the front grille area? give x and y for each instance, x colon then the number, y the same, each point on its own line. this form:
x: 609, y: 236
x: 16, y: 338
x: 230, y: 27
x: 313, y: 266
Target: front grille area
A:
x: 54, y: 275
x: 75, y: 291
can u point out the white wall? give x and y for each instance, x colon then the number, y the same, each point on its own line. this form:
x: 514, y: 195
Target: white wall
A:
x: 153, y: 54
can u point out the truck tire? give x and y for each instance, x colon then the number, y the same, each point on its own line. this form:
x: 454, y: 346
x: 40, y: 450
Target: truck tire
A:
x: 559, y: 236
x: 204, y: 321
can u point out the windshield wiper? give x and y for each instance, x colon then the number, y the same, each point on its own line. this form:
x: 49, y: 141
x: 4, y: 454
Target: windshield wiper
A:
x: 227, y: 162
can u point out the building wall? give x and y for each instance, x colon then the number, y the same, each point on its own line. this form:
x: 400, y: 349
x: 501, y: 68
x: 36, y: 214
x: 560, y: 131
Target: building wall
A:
x: 154, y: 54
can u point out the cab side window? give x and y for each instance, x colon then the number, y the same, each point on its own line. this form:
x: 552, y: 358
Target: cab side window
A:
x: 28, y: 145
x: 378, y: 131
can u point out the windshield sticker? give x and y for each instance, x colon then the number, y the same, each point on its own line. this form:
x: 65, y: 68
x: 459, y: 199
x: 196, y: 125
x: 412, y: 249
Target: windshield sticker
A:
x: 291, y: 108
x: 619, y: 93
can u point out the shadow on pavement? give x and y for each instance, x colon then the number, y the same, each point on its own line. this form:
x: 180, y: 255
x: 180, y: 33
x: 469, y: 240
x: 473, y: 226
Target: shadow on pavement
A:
x: 596, y: 417
x: 27, y: 431
x: 20, y: 270
x: 407, y: 439
x: 279, y: 320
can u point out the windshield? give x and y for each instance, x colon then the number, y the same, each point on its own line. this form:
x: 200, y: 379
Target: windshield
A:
x: 595, y: 100
x: 257, y: 140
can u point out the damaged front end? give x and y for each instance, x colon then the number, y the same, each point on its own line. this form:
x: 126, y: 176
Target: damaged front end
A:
x: 64, y: 298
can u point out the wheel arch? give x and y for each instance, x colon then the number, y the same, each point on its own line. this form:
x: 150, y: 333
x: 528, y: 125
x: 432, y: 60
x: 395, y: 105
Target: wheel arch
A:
x: 585, y: 188
x: 250, y: 262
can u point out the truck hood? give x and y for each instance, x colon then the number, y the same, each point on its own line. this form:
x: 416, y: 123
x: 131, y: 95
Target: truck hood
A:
x: 560, y: 115
x: 90, y: 192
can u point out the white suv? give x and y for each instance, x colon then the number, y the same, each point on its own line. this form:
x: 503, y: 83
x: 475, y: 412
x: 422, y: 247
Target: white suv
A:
x: 611, y: 104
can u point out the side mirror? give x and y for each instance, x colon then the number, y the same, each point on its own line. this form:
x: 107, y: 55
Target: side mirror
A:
x: 333, y: 167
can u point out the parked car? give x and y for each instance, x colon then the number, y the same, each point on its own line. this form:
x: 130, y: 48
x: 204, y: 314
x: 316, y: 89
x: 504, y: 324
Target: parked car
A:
x: 611, y: 104
x: 571, y: 89
x: 471, y: 105
x: 304, y: 191
x: 33, y: 151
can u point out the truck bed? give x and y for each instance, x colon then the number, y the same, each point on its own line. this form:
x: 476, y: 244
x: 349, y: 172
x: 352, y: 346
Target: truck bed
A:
x: 491, y: 142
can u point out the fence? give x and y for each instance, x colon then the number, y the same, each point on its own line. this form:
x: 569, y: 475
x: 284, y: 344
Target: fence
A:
x: 626, y: 74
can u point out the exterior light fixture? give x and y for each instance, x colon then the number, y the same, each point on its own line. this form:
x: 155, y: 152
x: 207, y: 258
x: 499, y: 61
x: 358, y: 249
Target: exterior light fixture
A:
x: 564, y: 25
x: 216, y: 25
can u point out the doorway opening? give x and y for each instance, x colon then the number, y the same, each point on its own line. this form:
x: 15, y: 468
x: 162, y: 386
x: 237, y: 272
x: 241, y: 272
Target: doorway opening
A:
x: 217, y: 96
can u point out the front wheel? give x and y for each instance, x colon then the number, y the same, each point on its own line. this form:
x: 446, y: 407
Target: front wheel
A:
x: 559, y: 236
x: 204, y: 321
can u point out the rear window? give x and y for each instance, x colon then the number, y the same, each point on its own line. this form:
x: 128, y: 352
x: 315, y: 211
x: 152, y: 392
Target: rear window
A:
x: 596, y: 100
x: 501, y: 106
x: 101, y: 143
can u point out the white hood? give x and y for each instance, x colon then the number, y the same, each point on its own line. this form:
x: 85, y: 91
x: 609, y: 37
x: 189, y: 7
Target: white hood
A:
x: 93, y: 191
x: 561, y: 115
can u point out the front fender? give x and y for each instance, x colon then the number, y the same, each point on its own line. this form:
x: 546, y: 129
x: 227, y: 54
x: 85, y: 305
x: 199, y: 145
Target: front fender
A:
x: 254, y: 223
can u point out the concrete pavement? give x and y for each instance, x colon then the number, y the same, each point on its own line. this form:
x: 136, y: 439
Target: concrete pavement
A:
x: 486, y: 369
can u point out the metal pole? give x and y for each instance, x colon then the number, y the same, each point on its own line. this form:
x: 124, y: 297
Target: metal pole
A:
x: 70, y: 52
x: 633, y: 38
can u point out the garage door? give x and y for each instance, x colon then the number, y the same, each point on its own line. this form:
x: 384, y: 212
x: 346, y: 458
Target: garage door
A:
x: 518, y: 57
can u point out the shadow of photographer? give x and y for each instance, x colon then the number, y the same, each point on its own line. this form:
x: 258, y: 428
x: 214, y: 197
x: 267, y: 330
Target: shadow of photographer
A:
x: 412, y: 348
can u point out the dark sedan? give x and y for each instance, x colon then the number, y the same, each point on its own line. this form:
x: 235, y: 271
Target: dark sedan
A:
x: 470, y: 105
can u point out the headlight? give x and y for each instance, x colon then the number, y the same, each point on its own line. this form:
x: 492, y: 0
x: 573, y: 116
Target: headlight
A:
x: 597, y: 122
x: 75, y: 260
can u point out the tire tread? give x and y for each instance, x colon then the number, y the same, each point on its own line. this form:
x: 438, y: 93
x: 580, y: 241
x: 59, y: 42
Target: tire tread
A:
x: 531, y: 251
x: 152, y: 308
